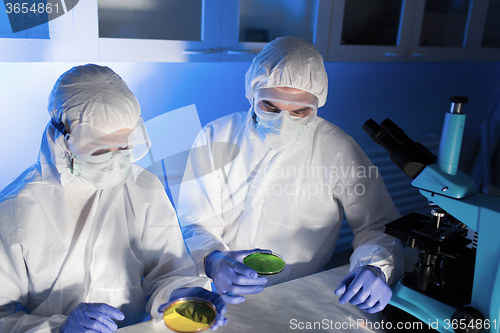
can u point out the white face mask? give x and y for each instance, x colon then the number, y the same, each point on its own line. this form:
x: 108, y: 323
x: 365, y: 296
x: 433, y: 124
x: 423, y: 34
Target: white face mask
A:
x: 280, y: 130
x: 105, y: 170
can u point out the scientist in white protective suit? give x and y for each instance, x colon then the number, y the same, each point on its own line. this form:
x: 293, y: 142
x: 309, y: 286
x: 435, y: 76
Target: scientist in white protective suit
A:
x: 86, y: 237
x: 281, y: 178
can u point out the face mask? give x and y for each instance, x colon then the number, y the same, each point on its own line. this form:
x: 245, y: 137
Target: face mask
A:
x: 279, y: 130
x: 105, y: 170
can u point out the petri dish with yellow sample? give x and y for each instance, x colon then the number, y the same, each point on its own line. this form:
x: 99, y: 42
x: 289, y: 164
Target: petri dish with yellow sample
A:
x: 265, y: 263
x: 189, y: 314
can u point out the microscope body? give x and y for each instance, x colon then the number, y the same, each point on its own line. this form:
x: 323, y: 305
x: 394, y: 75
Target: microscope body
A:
x: 453, y: 288
x: 481, y: 213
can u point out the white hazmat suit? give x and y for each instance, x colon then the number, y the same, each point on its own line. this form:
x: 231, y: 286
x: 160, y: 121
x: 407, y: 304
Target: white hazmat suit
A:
x: 62, y: 242
x: 238, y: 194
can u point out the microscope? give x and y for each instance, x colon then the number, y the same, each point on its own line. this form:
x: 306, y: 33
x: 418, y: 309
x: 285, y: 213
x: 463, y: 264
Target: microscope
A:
x: 454, y: 287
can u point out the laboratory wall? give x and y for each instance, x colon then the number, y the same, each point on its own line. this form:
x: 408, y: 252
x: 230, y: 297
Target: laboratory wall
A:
x: 413, y: 95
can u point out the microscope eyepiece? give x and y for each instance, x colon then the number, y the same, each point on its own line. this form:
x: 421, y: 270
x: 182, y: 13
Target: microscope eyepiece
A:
x: 459, y: 99
x: 411, y: 157
x: 373, y: 130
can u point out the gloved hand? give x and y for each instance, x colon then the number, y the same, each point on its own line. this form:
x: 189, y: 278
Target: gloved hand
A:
x: 365, y: 287
x: 231, y: 277
x: 215, y: 298
x: 92, y: 317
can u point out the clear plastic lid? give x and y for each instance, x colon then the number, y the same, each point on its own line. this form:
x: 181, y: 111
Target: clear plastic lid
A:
x: 290, y: 103
x: 286, y: 94
x: 85, y: 142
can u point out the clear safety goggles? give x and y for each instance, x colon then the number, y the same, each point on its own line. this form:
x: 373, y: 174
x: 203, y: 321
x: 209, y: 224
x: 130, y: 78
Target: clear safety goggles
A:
x: 92, y: 146
x: 287, y: 102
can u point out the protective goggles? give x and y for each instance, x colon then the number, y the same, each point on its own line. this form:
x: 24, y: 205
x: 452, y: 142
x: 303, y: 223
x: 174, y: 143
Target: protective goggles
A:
x: 88, y: 143
x: 269, y: 104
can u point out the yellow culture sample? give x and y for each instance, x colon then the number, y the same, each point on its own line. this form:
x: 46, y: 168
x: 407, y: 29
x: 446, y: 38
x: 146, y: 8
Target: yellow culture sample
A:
x: 189, y: 314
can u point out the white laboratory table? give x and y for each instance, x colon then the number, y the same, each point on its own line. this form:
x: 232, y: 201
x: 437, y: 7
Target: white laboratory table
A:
x: 308, y: 304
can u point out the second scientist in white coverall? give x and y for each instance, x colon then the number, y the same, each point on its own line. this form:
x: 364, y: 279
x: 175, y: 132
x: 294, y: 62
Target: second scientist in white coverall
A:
x: 86, y: 236
x: 281, y: 178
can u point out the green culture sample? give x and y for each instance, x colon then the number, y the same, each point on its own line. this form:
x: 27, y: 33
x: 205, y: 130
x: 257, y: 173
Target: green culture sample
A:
x: 265, y: 263
x: 189, y: 315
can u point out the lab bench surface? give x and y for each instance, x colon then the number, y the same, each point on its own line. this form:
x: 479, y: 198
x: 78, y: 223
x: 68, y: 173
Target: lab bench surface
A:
x: 308, y: 304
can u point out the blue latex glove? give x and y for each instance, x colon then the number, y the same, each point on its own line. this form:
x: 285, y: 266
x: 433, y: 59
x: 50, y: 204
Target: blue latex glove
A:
x: 365, y: 287
x: 215, y: 298
x: 231, y: 277
x: 92, y: 317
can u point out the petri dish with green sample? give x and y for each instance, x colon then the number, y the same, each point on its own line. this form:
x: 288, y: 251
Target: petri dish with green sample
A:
x: 265, y: 263
x: 189, y: 314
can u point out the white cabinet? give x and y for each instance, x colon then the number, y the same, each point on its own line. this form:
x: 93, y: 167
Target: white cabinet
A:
x: 51, y: 41
x: 147, y: 30
x: 236, y: 30
x: 487, y: 23
x: 248, y: 25
x: 174, y: 30
x: 126, y: 30
x: 199, y: 30
x: 401, y: 30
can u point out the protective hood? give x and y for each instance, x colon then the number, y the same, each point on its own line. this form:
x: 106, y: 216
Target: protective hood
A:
x: 288, y: 62
x: 89, y: 94
x: 95, y: 95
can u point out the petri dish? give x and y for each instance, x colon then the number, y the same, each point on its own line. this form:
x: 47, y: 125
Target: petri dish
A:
x: 265, y: 263
x: 189, y: 314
